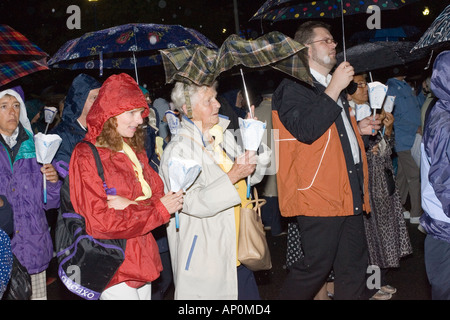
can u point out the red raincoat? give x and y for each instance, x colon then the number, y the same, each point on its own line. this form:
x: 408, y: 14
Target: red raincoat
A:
x: 142, y: 262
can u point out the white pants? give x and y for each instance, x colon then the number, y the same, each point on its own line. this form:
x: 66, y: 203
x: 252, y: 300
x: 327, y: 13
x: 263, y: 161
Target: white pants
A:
x: 122, y: 291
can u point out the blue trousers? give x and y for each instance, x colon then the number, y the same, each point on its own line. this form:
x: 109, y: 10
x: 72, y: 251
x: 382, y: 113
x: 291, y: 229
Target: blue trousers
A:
x: 437, y: 264
x: 247, y: 287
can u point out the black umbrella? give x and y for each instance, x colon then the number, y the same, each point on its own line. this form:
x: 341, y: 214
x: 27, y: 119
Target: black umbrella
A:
x: 403, y: 33
x: 381, y: 54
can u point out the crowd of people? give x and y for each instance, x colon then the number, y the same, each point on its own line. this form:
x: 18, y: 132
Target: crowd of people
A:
x: 341, y: 189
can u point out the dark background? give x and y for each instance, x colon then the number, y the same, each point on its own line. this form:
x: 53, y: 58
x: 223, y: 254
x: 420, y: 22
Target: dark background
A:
x: 44, y: 23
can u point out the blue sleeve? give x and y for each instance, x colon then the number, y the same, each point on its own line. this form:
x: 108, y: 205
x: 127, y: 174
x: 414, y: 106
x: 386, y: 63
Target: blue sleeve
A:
x: 439, y: 174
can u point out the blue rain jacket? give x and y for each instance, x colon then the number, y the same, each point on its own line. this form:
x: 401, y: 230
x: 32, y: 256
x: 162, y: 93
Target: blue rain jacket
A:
x: 435, y: 163
x: 69, y: 129
x: 406, y: 113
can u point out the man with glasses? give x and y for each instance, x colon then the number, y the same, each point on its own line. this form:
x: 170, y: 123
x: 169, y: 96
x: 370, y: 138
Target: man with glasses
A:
x: 323, y: 175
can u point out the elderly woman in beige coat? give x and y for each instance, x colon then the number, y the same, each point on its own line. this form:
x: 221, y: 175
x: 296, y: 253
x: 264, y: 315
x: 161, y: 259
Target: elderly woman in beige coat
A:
x: 204, y: 247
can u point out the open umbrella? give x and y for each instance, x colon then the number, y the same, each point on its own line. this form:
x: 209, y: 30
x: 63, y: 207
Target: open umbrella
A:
x: 127, y: 46
x: 202, y: 65
x: 273, y: 10
x: 18, y: 56
x: 403, y: 33
x: 307, y: 9
x: 371, y: 56
x: 437, y: 33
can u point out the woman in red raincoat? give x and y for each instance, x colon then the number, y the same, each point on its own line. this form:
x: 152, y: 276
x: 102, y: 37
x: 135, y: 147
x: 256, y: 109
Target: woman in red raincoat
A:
x: 139, y: 205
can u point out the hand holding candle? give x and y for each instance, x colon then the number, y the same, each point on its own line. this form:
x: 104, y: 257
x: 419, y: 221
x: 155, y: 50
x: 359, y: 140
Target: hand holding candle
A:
x: 46, y: 147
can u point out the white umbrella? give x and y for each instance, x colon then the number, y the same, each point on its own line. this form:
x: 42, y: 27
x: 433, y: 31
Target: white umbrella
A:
x: 252, y: 132
x: 182, y: 173
x: 46, y: 147
x: 49, y: 116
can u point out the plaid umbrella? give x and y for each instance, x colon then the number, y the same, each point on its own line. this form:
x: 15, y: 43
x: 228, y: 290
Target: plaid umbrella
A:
x: 202, y: 66
x: 437, y: 33
x: 125, y: 47
x: 18, y: 56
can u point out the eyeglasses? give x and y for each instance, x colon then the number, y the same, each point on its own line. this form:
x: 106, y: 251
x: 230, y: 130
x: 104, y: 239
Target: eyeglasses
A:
x: 327, y: 41
x: 362, y: 84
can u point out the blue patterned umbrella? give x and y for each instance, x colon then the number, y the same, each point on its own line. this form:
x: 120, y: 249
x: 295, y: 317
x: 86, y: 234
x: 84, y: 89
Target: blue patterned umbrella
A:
x: 125, y: 47
x: 6, y: 261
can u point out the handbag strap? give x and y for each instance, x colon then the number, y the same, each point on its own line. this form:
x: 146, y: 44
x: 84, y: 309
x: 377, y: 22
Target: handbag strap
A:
x: 98, y: 162
x: 257, y: 203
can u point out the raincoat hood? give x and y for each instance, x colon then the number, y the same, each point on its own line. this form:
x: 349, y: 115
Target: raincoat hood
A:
x: 441, y: 76
x: 23, y: 118
x: 119, y: 93
x: 77, y: 95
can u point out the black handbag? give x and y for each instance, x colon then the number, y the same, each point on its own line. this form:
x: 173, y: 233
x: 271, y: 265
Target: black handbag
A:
x: 19, y: 285
x: 390, y: 182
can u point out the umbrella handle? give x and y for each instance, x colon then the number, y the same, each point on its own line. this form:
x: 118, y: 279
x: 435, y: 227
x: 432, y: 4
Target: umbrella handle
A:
x: 343, y: 31
x: 45, y: 188
x: 135, y: 68
x: 374, y: 114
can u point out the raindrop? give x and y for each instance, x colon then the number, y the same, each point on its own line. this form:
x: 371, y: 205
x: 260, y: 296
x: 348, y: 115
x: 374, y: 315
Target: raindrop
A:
x: 162, y: 4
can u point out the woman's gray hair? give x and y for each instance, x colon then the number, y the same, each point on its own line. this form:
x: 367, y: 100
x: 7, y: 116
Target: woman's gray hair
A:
x: 180, y: 90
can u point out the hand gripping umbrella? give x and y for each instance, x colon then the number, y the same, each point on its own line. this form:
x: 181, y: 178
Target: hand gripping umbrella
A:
x: 46, y: 147
x: 182, y: 174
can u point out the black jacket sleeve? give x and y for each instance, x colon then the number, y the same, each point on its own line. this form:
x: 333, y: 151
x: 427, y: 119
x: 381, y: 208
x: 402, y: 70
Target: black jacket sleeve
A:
x: 306, y: 112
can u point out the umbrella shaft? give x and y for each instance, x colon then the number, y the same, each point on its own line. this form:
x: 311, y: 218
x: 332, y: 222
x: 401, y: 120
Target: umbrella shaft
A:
x: 246, y: 94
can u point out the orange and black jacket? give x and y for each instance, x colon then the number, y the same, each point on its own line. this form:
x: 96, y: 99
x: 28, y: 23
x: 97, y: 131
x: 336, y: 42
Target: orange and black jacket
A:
x: 317, y: 175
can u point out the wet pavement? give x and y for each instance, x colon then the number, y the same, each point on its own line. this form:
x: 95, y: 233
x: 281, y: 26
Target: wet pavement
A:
x: 410, y: 278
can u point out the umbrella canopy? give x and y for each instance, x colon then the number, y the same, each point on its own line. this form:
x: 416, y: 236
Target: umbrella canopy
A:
x: 273, y: 10
x: 385, y: 34
x: 381, y: 54
x: 202, y: 66
x: 301, y: 9
x: 437, y: 33
x: 125, y: 47
x: 18, y: 56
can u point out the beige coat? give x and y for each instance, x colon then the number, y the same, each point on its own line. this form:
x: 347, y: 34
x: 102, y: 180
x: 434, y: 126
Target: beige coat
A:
x: 203, y: 250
